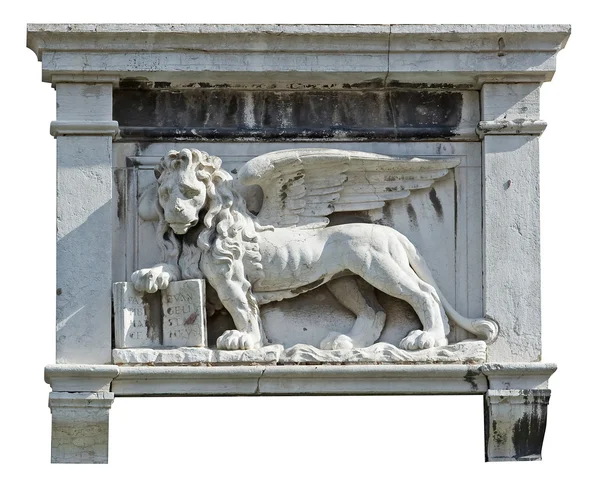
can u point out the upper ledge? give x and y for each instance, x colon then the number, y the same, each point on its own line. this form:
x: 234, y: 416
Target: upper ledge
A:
x: 295, y: 29
x: 316, y: 54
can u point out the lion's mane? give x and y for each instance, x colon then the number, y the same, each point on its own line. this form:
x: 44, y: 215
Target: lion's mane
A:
x: 226, y: 231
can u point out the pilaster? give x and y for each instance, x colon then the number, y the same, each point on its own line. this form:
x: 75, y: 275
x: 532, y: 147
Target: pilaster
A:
x: 509, y: 129
x: 84, y: 130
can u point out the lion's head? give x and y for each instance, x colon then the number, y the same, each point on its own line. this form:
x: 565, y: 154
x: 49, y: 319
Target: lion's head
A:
x: 186, y: 180
x: 198, y: 211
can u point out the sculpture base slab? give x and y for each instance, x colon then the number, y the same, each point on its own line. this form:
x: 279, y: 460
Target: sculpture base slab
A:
x: 469, y: 352
x: 197, y: 356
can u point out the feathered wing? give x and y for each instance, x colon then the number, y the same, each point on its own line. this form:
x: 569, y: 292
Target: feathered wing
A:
x: 303, y: 186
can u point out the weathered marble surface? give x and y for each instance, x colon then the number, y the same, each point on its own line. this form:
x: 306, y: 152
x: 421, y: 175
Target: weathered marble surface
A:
x: 134, y: 322
x: 80, y: 427
x: 503, y: 64
x: 515, y: 424
x: 289, y: 56
x: 287, y: 249
x: 197, y: 356
x: 184, y: 314
x: 473, y: 352
x: 382, y: 353
x: 451, y: 212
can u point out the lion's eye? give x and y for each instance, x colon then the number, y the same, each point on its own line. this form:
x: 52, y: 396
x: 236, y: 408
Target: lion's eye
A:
x: 190, y: 192
x: 164, y: 193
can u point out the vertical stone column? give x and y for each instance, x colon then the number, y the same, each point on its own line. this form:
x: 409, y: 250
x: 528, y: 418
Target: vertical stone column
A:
x: 84, y: 130
x: 511, y: 260
x: 80, y: 426
x: 515, y: 415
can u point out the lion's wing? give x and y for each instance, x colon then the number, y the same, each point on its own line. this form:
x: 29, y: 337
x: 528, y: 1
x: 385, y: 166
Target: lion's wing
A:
x: 302, y: 187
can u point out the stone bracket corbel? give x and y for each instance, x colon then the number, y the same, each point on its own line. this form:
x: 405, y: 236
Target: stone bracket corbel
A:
x: 80, y: 402
x: 80, y: 426
x: 515, y: 410
x: 515, y: 424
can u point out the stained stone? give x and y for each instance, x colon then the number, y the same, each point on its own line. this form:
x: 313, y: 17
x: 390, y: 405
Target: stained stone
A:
x: 132, y: 317
x: 184, y: 318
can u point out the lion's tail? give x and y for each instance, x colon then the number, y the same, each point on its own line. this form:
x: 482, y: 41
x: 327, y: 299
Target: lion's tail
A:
x: 486, y: 329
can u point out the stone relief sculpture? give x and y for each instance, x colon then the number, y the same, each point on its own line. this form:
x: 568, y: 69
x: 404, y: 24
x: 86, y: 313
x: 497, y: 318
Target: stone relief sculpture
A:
x: 205, y: 231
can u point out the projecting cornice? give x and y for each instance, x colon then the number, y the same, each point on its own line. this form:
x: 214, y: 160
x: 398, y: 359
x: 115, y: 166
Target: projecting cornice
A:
x: 291, y: 56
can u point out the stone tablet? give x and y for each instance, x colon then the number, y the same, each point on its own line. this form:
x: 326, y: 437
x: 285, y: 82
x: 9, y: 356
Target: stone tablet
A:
x: 184, y: 319
x: 133, y: 326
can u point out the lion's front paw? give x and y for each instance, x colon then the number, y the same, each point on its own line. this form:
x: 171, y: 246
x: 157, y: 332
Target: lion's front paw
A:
x: 233, y: 340
x: 335, y: 340
x: 150, y: 280
x: 418, y: 339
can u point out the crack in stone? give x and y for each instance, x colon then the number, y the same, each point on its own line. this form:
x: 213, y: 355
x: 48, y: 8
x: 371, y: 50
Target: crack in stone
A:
x: 257, y: 390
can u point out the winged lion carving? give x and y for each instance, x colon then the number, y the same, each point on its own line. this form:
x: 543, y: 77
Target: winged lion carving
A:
x: 206, y: 231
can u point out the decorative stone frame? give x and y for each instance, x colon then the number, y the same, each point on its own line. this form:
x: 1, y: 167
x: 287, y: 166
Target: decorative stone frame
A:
x: 500, y: 68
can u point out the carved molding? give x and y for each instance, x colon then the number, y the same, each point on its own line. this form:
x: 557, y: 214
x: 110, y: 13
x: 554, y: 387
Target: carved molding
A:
x: 518, y: 375
x: 287, y: 54
x: 374, y: 379
x: 319, y: 379
x: 510, y: 127
x: 80, y: 377
x: 82, y: 127
x: 85, y: 79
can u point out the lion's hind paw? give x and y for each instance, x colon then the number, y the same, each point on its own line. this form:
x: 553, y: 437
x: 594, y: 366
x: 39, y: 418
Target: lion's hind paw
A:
x: 418, y: 339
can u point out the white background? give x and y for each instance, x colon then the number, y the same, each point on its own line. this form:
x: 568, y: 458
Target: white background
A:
x: 302, y: 438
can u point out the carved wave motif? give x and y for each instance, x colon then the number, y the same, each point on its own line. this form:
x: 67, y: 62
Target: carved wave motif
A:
x: 469, y: 352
